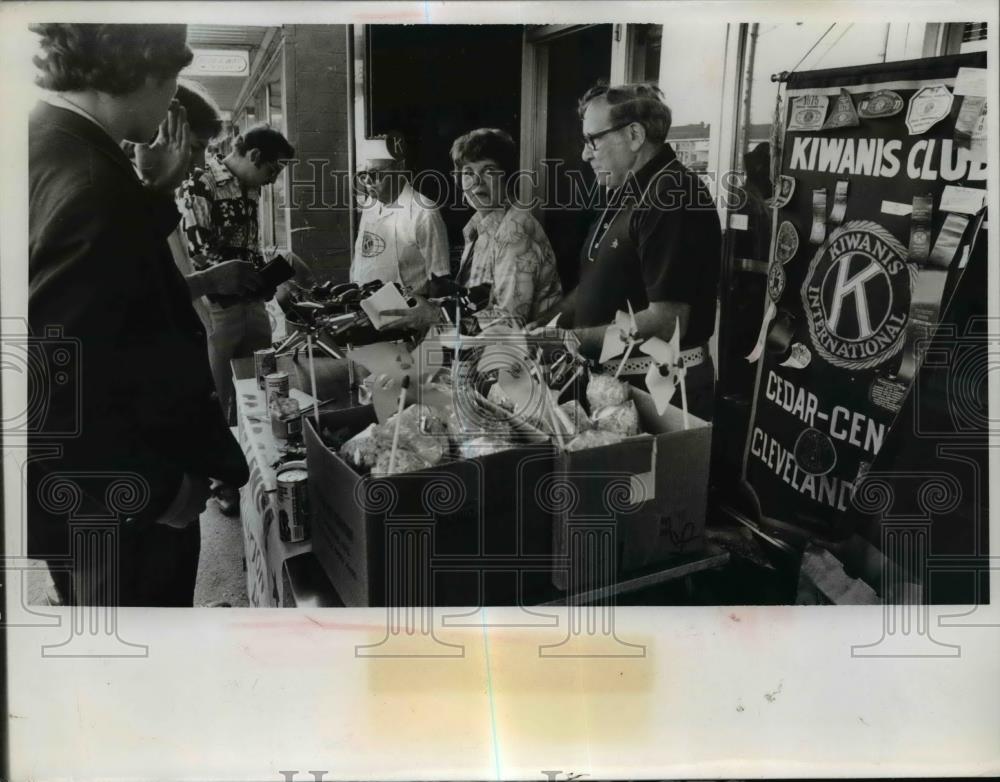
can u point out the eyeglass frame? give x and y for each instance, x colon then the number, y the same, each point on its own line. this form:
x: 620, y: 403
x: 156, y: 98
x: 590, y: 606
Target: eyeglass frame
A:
x: 590, y: 139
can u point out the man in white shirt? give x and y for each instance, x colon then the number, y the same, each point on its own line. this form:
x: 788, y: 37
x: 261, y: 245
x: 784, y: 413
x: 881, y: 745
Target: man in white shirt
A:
x: 401, y: 236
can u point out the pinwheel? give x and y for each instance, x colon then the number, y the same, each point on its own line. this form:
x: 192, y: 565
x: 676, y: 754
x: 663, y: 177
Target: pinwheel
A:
x: 666, y: 371
x: 620, y: 337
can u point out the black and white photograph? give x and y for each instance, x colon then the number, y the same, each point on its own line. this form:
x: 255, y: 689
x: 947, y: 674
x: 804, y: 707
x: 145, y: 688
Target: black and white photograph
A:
x: 499, y: 391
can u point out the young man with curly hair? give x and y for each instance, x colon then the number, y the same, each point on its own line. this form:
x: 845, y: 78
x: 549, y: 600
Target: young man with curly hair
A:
x: 147, y: 428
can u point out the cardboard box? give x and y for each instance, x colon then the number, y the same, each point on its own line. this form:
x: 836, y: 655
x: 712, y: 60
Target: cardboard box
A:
x: 643, y: 498
x: 464, y: 532
x: 498, y: 529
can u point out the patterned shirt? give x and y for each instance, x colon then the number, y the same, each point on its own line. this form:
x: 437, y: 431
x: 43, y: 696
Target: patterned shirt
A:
x: 510, y: 251
x: 219, y: 216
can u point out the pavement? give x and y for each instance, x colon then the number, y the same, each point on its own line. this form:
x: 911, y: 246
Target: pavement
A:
x: 221, y: 576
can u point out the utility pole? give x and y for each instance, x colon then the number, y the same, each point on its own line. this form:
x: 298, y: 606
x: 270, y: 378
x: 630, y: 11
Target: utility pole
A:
x: 748, y: 94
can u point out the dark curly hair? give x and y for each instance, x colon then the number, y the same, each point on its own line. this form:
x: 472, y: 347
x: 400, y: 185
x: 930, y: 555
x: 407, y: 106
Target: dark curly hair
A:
x: 642, y: 103
x: 486, y: 143
x: 272, y: 144
x: 111, y: 58
x: 202, y: 114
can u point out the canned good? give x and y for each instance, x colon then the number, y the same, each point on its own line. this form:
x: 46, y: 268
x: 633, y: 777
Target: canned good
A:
x: 275, y: 384
x: 293, y: 502
x: 286, y: 424
x: 265, y: 362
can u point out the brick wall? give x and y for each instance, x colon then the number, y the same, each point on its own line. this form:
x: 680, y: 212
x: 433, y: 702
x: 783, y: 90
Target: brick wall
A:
x: 316, y: 73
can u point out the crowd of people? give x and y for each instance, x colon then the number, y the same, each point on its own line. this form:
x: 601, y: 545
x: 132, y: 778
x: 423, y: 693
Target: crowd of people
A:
x: 146, y: 250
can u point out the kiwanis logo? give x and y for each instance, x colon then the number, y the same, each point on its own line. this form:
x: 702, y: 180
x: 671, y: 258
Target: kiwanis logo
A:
x: 856, y: 296
x: 372, y: 245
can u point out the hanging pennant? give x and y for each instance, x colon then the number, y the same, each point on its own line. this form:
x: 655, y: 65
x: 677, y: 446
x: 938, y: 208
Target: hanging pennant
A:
x: 928, y: 106
x: 758, y: 348
x: 978, y: 143
x: 839, y: 202
x: 880, y: 104
x: 814, y: 452
x: 799, y: 358
x: 777, y: 134
x: 948, y: 241
x: 966, y: 200
x: 968, y: 118
x: 818, y: 231
x: 925, y: 300
x: 775, y: 281
x: 782, y: 192
x: 808, y: 112
x: 920, y: 228
x: 787, y: 243
x: 844, y: 114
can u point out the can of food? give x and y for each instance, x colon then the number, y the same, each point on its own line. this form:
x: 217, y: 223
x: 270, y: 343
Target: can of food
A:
x: 293, y: 502
x: 265, y: 362
x: 275, y: 384
x: 286, y: 424
x: 293, y: 424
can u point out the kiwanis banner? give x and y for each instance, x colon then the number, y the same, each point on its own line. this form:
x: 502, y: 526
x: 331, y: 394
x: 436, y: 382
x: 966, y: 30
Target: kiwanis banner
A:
x: 879, y: 201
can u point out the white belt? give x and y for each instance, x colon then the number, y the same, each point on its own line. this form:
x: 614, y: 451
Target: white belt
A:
x: 639, y: 365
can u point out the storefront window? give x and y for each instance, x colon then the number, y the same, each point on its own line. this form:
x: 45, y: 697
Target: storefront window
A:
x: 269, y: 108
x: 644, y: 52
x: 278, y: 207
x: 694, y: 95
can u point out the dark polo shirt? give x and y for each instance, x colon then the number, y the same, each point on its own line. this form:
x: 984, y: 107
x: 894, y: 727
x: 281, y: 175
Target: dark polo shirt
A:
x: 659, y: 240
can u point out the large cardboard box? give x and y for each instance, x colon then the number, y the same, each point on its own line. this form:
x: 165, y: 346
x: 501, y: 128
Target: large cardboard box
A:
x: 504, y: 529
x: 466, y: 532
x: 634, y: 504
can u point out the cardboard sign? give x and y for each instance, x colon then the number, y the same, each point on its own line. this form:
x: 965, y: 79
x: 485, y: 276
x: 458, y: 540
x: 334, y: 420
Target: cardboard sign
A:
x: 385, y: 298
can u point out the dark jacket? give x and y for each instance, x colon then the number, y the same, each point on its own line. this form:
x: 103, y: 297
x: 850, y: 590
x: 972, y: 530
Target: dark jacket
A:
x: 123, y: 394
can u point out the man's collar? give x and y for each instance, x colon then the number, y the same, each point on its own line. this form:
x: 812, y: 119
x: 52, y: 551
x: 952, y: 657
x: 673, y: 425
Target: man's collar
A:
x: 663, y: 157
x: 57, y: 100
x: 637, y: 182
x: 81, y: 125
x: 405, y: 197
x: 218, y: 169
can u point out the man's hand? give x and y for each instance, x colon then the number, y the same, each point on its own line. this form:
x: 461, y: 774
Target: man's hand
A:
x: 164, y: 163
x: 229, y: 278
x: 420, y: 317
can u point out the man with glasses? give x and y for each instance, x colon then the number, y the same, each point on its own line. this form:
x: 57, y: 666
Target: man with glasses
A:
x: 657, y: 246
x: 219, y: 209
x: 401, y: 236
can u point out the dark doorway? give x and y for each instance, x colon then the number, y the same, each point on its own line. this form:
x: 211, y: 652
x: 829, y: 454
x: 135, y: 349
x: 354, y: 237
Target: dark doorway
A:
x: 436, y: 82
x: 575, y: 62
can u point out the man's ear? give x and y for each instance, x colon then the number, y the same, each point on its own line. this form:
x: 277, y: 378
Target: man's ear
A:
x: 254, y: 157
x: 636, y: 135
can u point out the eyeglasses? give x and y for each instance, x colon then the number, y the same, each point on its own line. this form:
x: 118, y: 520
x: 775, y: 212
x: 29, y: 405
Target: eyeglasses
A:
x: 590, y: 139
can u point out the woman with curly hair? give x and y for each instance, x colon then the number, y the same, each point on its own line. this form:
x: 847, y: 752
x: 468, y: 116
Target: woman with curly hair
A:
x: 505, y: 246
x: 139, y: 429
